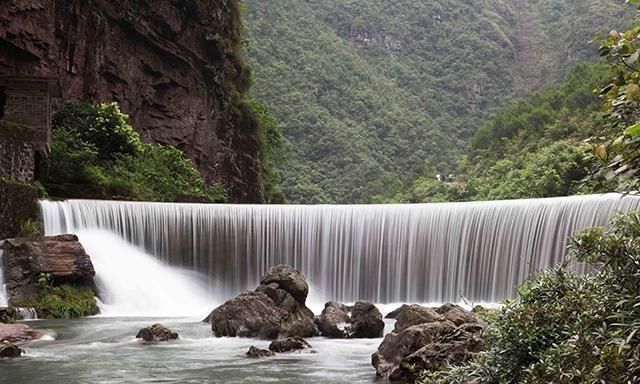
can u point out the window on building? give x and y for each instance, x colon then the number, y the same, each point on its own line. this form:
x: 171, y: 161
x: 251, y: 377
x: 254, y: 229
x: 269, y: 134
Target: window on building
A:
x: 3, y: 101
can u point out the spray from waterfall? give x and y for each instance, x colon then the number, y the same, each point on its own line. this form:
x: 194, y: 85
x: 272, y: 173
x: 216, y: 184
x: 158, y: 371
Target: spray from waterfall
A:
x: 383, y: 253
x: 132, y: 283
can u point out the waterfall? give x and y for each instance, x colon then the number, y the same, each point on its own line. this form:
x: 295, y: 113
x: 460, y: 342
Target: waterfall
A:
x: 384, y: 253
x: 3, y: 290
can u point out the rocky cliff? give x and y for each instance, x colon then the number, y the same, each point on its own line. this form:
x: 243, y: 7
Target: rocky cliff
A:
x: 172, y: 65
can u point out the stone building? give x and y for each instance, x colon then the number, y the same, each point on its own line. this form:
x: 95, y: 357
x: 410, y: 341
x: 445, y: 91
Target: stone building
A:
x: 25, y: 124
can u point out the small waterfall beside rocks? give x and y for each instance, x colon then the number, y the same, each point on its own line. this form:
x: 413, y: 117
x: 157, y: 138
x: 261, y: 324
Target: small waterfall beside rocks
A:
x: 3, y: 290
x: 383, y: 253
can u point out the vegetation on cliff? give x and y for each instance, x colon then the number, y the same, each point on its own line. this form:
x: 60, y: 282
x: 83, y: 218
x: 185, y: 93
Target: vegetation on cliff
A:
x: 372, y: 95
x: 96, y: 154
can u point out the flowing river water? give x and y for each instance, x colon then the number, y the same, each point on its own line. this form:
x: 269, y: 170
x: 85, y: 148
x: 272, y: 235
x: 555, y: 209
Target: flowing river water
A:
x: 103, y: 350
x: 173, y: 263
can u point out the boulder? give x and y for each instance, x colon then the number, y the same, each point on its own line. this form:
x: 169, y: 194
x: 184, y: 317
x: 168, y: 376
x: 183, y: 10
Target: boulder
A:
x: 156, y: 332
x: 414, y: 314
x: 393, y: 314
x: 275, y: 309
x: 62, y: 257
x: 334, y: 320
x: 18, y: 333
x: 366, y: 321
x: 339, y: 321
x: 258, y: 353
x: 288, y: 279
x: 457, y: 315
x: 252, y: 314
x: 10, y: 350
x: 424, y: 339
x: 289, y: 344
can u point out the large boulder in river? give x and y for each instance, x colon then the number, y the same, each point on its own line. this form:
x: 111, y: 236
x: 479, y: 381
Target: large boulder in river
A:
x: 339, y: 321
x: 275, y: 309
x: 61, y: 257
x: 156, y: 332
x: 18, y: 333
x: 425, y: 339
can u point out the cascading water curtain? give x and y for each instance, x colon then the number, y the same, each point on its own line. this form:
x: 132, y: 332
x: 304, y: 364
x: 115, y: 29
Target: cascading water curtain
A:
x: 384, y: 253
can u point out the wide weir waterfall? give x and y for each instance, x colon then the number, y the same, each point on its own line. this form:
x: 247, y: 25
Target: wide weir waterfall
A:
x: 477, y: 251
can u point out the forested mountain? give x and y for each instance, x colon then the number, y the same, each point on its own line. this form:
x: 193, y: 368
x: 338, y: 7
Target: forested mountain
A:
x: 371, y: 95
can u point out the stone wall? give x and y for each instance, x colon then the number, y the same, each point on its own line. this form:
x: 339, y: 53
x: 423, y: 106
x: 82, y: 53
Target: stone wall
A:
x: 17, y: 158
x: 18, y: 204
x: 27, y: 102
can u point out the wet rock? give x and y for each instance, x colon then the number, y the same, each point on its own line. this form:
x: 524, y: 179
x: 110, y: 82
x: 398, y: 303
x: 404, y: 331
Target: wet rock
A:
x: 258, y: 353
x: 457, y: 314
x: 18, y: 333
x: 252, y: 314
x: 414, y: 314
x: 366, y: 321
x: 275, y: 309
x: 478, y: 309
x: 62, y: 257
x: 334, y: 320
x: 339, y: 321
x: 426, y: 340
x: 289, y: 344
x: 10, y: 350
x: 393, y: 314
x: 285, y: 277
x: 156, y: 332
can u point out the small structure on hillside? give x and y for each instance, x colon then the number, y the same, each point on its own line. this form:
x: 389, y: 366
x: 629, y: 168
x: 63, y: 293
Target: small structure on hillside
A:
x: 25, y: 124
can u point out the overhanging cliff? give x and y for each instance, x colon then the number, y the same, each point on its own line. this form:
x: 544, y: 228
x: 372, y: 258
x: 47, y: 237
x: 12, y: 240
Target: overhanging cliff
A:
x: 173, y: 66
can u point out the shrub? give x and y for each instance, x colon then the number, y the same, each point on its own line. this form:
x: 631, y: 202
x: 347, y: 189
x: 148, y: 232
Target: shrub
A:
x: 102, y: 126
x: 566, y: 328
x: 109, y: 161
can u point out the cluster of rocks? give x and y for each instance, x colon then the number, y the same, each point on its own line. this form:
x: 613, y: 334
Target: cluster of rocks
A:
x: 362, y: 320
x: 427, y: 339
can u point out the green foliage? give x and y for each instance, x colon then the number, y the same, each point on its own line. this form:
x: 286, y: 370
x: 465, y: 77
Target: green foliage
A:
x: 372, y: 94
x: 531, y: 149
x: 116, y: 165
x: 102, y: 126
x: 618, y: 157
x: 567, y: 328
x: 30, y: 227
x: 65, y: 301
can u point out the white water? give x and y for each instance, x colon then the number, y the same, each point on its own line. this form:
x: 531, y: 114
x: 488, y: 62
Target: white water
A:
x: 420, y: 253
x: 132, y: 283
x: 3, y: 291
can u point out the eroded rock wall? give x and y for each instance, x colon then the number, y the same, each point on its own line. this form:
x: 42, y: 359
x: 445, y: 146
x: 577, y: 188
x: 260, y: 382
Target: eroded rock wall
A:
x: 172, y: 65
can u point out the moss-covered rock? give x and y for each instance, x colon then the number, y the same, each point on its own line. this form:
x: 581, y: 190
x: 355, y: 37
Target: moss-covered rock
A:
x: 62, y: 302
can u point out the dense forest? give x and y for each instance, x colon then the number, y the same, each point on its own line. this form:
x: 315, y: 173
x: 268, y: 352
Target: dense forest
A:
x: 372, y: 97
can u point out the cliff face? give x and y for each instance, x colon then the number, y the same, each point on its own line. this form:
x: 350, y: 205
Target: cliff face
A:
x: 172, y: 65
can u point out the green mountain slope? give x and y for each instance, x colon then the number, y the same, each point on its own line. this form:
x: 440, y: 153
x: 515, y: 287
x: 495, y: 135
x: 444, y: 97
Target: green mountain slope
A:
x: 372, y: 94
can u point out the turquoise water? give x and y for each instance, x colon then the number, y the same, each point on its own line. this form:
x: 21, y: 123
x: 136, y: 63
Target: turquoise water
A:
x: 103, y: 350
